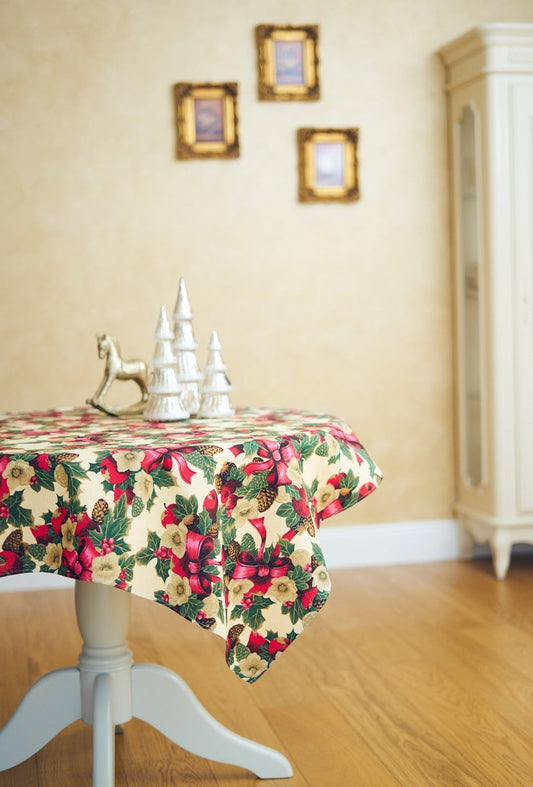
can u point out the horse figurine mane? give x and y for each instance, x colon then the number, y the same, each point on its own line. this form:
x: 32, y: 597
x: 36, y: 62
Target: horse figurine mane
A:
x: 118, y: 369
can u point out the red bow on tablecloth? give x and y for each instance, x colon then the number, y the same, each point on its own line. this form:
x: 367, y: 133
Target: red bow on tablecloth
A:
x: 275, y: 457
x: 197, y: 551
x: 250, y: 566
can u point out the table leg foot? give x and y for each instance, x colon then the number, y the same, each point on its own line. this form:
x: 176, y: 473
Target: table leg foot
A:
x: 50, y: 705
x: 163, y: 699
x: 103, y: 733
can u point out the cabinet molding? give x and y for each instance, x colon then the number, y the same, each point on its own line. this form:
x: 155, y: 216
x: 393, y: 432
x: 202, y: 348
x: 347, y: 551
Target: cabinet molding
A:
x: 489, y: 74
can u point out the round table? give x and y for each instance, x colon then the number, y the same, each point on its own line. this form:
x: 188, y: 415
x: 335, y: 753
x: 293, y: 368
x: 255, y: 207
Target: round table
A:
x: 217, y: 519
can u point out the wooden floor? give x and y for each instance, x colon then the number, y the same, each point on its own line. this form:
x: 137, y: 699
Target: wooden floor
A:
x: 411, y: 675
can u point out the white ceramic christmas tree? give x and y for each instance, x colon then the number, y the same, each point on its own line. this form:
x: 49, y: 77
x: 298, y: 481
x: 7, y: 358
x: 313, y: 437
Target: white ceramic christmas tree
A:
x: 164, y: 400
x: 215, y: 387
x: 185, y: 346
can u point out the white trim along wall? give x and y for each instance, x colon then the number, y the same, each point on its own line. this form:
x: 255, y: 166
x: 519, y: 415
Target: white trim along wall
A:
x: 351, y: 546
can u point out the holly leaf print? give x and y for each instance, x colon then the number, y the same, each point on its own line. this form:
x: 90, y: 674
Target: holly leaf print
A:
x: 226, y: 525
x: 297, y: 611
x: 75, y: 475
x: 162, y: 568
x: 144, y: 555
x: 205, y: 463
x: 45, y: 478
x: 162, y: 477
x: 300, y: 577
x: 127, y: 564
x: 308, y: 445
x: 251, y: 447
x: 204, y: 522
x: 286, y: 547
x: 286, y: 510
x: 317, y: 552
x: 192, y: 607
x: 19, y: 516
x: 186, y: 506
x: 253, y: 616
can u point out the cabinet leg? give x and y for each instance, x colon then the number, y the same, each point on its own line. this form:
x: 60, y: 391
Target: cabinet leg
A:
x: 500, y: 546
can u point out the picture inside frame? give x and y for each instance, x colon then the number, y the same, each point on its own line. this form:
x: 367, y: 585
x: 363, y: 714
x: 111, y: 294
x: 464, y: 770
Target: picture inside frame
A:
x: 287, y: 60
x: 206, y: 116
x: 328, y: 169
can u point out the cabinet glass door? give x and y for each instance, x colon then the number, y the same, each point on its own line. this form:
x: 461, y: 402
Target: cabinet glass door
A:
x: 469, y: 301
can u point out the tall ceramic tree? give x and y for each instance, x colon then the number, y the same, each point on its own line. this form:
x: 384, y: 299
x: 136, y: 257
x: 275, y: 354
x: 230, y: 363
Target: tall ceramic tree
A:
x: 164, y: 400
x: 185, y: 346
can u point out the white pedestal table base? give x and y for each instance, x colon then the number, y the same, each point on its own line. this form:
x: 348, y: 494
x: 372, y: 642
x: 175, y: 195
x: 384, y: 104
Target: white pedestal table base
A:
x: 106, y: 689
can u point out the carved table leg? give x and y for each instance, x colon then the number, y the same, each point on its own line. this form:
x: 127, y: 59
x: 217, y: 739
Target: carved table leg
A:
x: 106, y: 690
x: 34, y: 724
x: 158, y: 693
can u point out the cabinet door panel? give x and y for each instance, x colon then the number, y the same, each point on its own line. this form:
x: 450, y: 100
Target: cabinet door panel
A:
x: 522, y: 224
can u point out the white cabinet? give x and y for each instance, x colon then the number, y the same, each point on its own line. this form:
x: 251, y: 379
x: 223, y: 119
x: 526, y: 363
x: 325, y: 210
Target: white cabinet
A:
x: 489, y: 84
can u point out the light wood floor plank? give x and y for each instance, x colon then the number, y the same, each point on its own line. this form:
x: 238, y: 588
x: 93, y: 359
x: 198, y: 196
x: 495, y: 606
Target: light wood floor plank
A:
x: 411, y: 675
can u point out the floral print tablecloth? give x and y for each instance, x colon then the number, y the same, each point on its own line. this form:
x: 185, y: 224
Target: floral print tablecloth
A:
x: 217, y: 519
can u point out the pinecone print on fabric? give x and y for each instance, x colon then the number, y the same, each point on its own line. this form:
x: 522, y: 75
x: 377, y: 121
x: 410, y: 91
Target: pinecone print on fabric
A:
x: 266, y: 497
x: 65, y: 458
x: 314, y: 562
x: 221, y: 478
x: 213, y: 530
x: 208, y: 450
x: 310, y: 525
x: 100, y: 509
x: 305, y: 524
x: 319, y: 603
x: 13, y: 543
x: 233, y: 549
x: 234, y: 634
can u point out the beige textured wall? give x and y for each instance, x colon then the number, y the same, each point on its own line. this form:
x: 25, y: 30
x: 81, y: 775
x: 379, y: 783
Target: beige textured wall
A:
x: 338, y: 308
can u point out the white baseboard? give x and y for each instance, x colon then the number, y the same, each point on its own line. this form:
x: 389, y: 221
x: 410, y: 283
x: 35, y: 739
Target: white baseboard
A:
x: 348, y: 546
x: 392, y: 543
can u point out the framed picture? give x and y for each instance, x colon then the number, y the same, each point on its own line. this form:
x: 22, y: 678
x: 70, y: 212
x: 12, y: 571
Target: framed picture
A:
x: 327, y: 164
x: 207, y: 122
x: 287, y: 63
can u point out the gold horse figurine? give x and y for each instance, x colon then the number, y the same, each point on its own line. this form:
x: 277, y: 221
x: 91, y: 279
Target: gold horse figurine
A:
x: 117, y: 369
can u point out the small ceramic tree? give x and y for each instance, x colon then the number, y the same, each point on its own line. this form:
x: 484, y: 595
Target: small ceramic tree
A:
x: 215, y: 387
x: 164, y: 400
x: 185, y: 346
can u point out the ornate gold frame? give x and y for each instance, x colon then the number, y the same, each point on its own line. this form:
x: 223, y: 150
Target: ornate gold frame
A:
x: 269, y: 89
x: 188, y: 144
x: 309, y: 189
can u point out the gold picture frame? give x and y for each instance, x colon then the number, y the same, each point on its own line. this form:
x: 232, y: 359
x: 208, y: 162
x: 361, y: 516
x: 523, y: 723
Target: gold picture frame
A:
x: 207, y: 120
x: 327, y: 165
x: 287, y: 63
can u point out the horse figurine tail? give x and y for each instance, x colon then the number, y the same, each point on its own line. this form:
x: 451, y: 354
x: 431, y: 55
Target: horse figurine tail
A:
x: 118, y: 369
